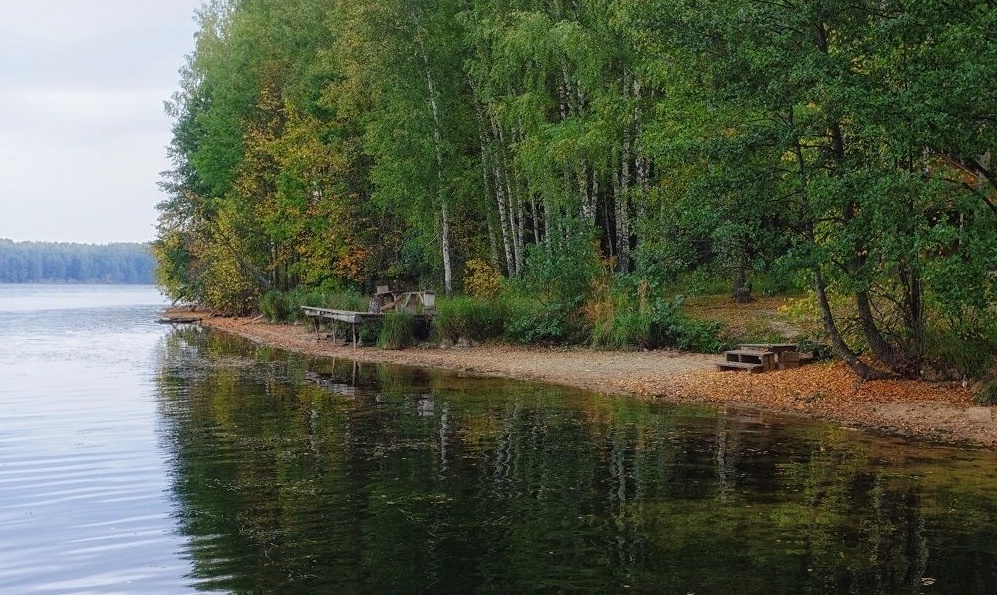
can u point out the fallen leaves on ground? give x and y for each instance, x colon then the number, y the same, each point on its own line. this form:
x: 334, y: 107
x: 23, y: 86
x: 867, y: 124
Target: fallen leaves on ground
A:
x: 829, y: 390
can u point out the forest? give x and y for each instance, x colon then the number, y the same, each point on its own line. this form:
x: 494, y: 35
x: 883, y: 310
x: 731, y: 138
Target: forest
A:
x: 51, y: 262
x: 564, y: 171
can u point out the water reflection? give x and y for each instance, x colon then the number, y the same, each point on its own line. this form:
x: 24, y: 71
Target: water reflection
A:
x: 298, y: 475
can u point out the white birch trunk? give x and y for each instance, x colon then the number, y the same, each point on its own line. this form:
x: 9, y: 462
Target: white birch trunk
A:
x: 489, y: 172
x: 623, y: 197
x: 515, y: 215
x: 438, y: 146
x: 643, y: 164
x: 501, y: 198
x: 585, y: 194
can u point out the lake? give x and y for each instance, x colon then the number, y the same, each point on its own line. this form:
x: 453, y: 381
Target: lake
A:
x: 142, y: 458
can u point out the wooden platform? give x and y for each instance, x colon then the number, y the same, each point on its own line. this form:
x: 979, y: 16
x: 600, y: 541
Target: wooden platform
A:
x: 183, y: 316
x: 354, y: 319
x: 347, y: 316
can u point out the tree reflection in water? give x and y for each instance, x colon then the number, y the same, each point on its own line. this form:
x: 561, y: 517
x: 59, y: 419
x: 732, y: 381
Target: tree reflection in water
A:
x: 305, y: 475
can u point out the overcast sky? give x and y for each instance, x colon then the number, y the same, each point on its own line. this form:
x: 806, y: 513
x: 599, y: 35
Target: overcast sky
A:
x: 83, y: 134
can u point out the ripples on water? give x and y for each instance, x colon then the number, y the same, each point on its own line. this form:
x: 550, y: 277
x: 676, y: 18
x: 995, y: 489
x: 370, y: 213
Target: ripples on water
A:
x: 140, y: 459
x: 83, y: 502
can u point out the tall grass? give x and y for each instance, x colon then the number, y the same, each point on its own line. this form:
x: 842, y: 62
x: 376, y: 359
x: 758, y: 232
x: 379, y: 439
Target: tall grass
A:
x: 279, y: 306
x: 397, y: 330
x: 470, y: 318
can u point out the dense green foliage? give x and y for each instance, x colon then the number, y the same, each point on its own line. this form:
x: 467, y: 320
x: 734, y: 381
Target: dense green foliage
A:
x: 839, y: 146
x: 49, y: 262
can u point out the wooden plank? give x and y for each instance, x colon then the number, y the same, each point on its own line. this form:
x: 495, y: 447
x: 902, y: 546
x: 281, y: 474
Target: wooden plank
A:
x: 789, y: 360
x: 775, y: 347
x: 330, y: 314
x: 749, y: 353
x: 753, y: 368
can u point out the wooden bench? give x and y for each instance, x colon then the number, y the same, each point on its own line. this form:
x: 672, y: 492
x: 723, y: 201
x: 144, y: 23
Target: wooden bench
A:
x: 747, y: 366
x: 787, y: 355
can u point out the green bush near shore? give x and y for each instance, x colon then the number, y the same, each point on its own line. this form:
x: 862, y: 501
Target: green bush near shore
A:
x: 660, y: 324
x: 463, y: 317
x: 987, y: 395
x: 532, y: 321
x: 397, y: 330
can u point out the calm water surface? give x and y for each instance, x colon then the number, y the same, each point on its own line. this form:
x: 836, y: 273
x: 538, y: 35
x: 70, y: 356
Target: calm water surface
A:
x: 137, y: 458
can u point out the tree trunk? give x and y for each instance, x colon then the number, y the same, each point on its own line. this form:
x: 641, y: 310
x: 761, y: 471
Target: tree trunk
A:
x: 623, y: 198
x: 489, y: 190
x: 643, y: 164
x: 585, y: 193
x: 510, y: 260
x: 515, y: 204
x: 438, y: 146
x: 501, y: 201
x: 881, y: 348
x: 841, y: 349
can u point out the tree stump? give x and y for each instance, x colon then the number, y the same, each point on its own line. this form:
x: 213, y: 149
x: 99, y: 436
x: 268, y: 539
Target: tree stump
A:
x: 742, y: 295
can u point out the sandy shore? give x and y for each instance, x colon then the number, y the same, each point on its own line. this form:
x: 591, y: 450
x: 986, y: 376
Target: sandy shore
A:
x: 936, y: 412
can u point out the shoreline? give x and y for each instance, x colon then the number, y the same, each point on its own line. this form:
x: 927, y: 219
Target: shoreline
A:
x: 938, y: 413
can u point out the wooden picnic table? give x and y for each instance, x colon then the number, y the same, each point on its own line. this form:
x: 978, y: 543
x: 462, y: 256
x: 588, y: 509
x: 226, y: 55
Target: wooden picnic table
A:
x: 786, y: 354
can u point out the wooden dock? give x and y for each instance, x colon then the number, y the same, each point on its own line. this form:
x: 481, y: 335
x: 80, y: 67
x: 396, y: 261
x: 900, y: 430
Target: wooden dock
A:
x: 354, y: 319
x: 183, y: 316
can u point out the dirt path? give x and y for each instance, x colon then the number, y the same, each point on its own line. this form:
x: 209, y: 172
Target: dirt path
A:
x: 938, y: 412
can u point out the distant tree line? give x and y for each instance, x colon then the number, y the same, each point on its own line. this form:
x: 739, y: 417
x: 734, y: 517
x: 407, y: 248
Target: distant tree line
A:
x: 50, y: 262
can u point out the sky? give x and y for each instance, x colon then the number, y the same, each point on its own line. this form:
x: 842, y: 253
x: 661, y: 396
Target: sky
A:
x: 83, y: 132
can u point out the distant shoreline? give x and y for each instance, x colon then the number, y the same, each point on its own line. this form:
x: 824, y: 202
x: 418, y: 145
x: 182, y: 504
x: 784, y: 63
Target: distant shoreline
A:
x: 71, y: 263
x: 100, y: 283
x: 933, y: 412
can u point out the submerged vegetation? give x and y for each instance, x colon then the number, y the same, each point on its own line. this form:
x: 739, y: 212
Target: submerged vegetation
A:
x: 569, y: 172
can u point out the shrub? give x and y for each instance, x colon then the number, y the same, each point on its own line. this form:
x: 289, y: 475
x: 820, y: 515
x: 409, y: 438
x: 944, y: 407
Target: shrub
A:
x: 634, y: 330
x: 277, y: 306
x: 701, y: 281
x: 397, y: 330
x: 470, y: 318
x: 624, y: 313
x: 820, y: 351
x: 701, y: 336
x: 987, y: 395
x: 343, y: 300
x: 553, y: 323
x: 274, y: 306
x: 561, y: 274
x: 481, y: 280
x: 967, y: 351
